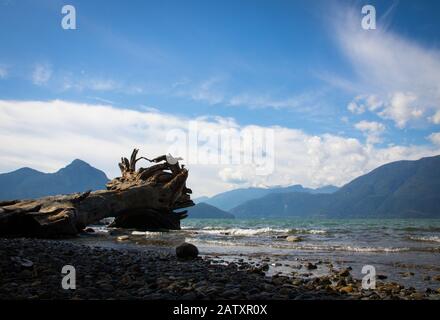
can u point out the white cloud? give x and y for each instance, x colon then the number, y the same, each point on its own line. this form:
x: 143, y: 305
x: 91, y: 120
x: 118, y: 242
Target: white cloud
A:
x: 370, y: 126
x: 48, y: 135
x: 362, y: 103
x: 41, y: 74
x: 402, y: 108
x: 372, y: 130
x: 400, y: 73
x: 373, y: 102
x: 355, y: 107
x: 237, y: 176
x: 435, y: 118
x: 435, y: 138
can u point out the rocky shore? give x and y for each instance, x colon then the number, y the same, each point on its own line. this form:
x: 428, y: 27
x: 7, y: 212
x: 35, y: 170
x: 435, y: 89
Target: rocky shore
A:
x: 31, y: 269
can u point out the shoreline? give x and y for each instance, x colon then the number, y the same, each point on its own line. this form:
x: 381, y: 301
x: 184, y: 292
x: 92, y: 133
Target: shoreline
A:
x: 109, y: 273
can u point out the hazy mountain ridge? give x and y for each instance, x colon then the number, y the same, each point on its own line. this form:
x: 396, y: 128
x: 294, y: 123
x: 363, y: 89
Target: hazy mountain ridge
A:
x: 233, y: 198
x: 206, y: 211
x: 24, y: 183
x: 398, y: 189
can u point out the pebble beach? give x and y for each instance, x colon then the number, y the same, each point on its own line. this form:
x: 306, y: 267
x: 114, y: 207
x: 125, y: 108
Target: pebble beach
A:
x: 31, y: 269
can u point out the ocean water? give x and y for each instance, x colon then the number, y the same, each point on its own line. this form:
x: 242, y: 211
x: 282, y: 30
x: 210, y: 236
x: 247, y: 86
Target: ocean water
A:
x: 405, y: 250
x: 355, y: 235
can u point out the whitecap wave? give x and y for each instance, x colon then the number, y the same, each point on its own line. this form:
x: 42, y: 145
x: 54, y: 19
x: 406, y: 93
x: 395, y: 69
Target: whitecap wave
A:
x: 305, y: 247
x: 100, y: 229
x: 425, y: 239
x: 138, y: 233
x: 224, y: 243
x: 241, y: 231
x: 148, y: 233
x: 253, y: 231
x: 373, y: 249
x: 347, y: 248
x: 307, y: 231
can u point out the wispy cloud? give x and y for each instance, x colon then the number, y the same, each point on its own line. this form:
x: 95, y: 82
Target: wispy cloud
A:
x: 372, y: 130
x: 400, y: 72
x: 435, y: 138
x: 3, y: 72
x: 102, y: 84
x: 106, y: 101
x: 215, y: 91
x: 265, y: 101
x: 206, y: 91
x: 363, y: 103
x: 41, y: 74
x: 85, y: 81
x: 435, y: 118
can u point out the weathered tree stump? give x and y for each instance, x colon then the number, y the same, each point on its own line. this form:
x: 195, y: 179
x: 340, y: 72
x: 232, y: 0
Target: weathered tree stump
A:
x: 144, y: 199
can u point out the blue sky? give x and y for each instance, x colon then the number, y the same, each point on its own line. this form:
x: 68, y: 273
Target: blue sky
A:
x: 296, y: 65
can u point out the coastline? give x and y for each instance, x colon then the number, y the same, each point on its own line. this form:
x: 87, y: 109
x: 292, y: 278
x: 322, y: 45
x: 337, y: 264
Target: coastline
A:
x: 155, y: 273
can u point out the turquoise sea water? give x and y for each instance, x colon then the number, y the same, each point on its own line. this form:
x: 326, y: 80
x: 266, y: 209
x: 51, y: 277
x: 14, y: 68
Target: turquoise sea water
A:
x: 355, y: 235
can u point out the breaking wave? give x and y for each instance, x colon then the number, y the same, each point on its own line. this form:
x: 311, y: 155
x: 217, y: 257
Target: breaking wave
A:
x: 307, y: 247
x: 347, y: 248
x: 241, y: 231
x: 254, y: 231
x: 307, y: 231
x: 425, y: 239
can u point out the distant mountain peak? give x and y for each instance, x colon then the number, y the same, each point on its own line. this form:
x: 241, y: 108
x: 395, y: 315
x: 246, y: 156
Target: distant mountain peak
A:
x: 78, y: 163
x: 26, y: 169
x: 232, y: 198
x: 401, y: 189
x: 78, y: 176
x: 203, y: 210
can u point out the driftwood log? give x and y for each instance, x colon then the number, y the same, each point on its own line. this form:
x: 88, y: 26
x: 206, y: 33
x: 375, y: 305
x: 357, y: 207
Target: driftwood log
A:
x: 144, y: 199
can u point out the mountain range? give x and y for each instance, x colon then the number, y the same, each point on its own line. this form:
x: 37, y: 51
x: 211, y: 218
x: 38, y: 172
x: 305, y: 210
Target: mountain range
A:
x: 404, y: 189
x: 230, y: 199
x: 205, y: 211
x: 25, y: 183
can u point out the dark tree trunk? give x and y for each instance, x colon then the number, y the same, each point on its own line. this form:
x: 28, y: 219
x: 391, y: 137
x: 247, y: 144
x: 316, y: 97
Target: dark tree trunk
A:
x: 144, y: 199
